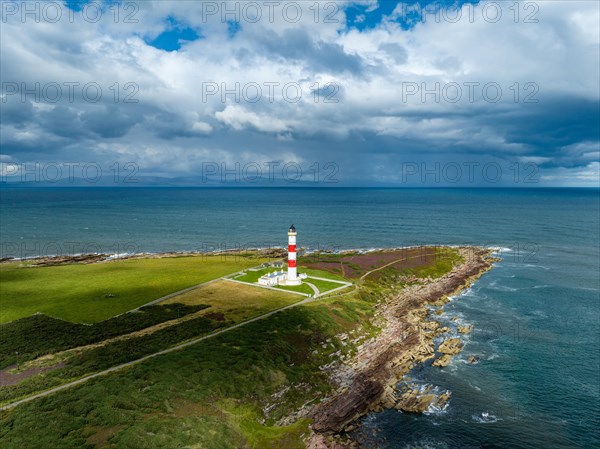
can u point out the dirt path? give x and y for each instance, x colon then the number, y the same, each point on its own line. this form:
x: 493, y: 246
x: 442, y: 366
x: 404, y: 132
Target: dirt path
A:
x: 315, y: 289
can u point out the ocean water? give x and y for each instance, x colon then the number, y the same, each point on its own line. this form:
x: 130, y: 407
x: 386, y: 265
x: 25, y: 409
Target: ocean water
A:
x: 536, y: 316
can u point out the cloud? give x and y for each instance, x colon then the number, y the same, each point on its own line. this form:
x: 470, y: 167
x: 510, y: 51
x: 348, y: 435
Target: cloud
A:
x: 297, y: 46
x: 547, y: 112
x: 239, y: 119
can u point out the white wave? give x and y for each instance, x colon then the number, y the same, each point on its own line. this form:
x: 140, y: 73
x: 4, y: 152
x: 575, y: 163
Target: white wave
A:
x: 465, y: 292
x: 49, y: 256
x: 120, y: 255
x: 501, y: 249
x: 501, y: 288
x: 426, y: 388
x: 591, y: 289
x: 539, y: 313
x: 426, y: 443
x: 534, y: 265
x: 485, y: 418
x: 435, y: 410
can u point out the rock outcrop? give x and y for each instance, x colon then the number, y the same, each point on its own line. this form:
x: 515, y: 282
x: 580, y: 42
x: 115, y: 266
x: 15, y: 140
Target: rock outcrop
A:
x: 451, y: 346
x: 413, y: 400
x: 405, y: 340
x: 465, y: 329
x: 473, y: 359
x: 443, y: 360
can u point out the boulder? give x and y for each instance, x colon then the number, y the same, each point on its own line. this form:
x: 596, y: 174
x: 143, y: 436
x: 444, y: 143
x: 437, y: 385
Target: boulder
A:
x: 443, y: 360
x: 440, y: 301
x: 450, y: 346
x: 473, y: 359
x: 442, y: 330
x: 430, y: 325
x: 465, y: 329
x: 414, y: 401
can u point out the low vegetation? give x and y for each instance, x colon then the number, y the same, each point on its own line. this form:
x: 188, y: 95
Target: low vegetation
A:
x: 38, y: 335
x: 353, y: 265
x: 228, y: 392
x: 227, y: 303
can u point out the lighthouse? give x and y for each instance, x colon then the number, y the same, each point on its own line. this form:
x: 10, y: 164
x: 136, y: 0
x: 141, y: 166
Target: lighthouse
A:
x: 292, y: 276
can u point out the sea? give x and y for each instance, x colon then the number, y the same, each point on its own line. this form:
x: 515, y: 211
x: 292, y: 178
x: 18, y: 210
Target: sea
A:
x: 535, y: 316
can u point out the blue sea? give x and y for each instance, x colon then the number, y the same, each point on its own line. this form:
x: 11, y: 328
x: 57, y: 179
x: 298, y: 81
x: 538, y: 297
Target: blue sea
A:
x: 536, y: 316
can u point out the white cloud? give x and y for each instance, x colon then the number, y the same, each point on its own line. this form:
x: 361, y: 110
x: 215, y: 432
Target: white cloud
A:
x: 239, y: 118
x: 559, y: 54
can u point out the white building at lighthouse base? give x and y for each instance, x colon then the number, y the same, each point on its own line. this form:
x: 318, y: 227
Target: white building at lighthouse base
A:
x: 280, y: 278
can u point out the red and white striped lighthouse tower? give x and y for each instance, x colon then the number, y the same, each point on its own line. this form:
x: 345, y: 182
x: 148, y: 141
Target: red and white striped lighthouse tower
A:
x: 292, y: 276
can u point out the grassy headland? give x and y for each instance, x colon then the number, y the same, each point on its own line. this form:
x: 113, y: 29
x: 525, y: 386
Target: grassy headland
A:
x: 251, y: 387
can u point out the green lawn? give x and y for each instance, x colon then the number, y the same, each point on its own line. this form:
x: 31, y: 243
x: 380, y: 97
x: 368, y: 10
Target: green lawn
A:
x: 80, y: 292
x: 302, y: 288
x: 252, y: 276
x: 323, y: 286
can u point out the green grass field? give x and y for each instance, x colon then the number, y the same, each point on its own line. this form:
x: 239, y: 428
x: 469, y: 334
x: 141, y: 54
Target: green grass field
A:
x: 252, y: 278
x: 444, y: 260
x: 323, y: 286
x: 38, y: 335
x: 80, y: 292
x: 302, y: 288
x: 237, y: 302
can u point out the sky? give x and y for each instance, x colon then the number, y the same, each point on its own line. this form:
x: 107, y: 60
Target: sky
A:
x: 348, y: 93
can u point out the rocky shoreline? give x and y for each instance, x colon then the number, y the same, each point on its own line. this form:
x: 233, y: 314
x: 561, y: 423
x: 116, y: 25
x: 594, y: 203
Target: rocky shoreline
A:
x: 46, y: 261
x: 406, y: 339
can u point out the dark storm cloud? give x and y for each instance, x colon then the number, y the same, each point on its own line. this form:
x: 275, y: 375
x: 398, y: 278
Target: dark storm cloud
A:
x: 549, y: 126
x: 16, y: 112
x: 62, y: 121
x: 296, y: 45
x: 110, y: 121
